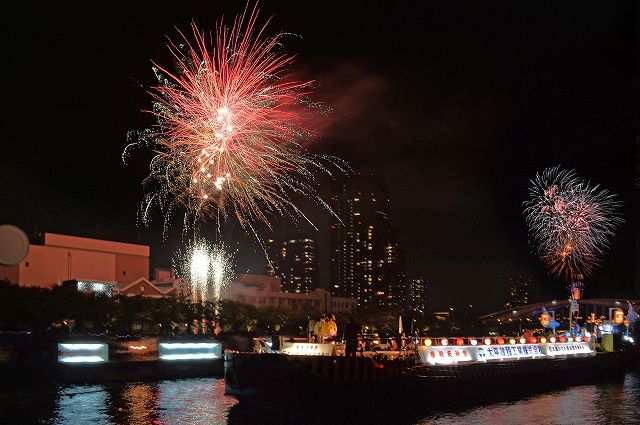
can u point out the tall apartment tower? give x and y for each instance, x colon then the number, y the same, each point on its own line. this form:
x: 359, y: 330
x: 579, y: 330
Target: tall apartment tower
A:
x: 295, y: 262
x: 417, y: 295
x: 518, y: 291
x: 366, y: 262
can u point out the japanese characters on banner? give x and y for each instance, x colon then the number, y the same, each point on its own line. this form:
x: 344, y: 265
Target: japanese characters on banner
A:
x: 489, y: 353
x: 567, y: 348
x: 500, y: 352
x: 445, y: 355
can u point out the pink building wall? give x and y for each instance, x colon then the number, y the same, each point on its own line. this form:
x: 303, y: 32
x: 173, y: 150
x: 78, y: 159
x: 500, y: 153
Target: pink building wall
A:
x: 130, y: 268
x: 53, y: 239
x: 46, y: 266
x: 69, y: 257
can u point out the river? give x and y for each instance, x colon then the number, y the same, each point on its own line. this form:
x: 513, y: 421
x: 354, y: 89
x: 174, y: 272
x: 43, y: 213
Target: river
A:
x: 202, y: 401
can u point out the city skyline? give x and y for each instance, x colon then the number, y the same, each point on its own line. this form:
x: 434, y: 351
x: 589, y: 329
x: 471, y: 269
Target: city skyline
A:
x: 457, y: 108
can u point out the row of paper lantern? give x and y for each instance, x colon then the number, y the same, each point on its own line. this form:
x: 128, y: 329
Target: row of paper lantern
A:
x: 501, y: 341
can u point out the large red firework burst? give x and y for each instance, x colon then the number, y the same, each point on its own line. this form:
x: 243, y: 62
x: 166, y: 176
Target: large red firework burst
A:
x: 230, y: 122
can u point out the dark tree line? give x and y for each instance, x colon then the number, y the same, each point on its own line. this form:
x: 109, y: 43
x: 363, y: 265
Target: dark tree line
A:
x: 65, y: 310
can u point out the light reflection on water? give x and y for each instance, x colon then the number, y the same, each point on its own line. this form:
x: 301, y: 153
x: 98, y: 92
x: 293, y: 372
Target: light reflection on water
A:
x: 188, y: 401
x: 202, y: 401
x: 611, y: 402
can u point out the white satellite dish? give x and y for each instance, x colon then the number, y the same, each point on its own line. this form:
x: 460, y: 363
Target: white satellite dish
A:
x: 14, y: 245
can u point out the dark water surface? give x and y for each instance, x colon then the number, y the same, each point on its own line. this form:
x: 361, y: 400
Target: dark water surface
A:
x: 202, y: 401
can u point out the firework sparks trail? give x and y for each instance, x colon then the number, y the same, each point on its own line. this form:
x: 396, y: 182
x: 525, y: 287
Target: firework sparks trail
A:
x: 570, y: 222
x: 209, y: 269
x: 230, y: 123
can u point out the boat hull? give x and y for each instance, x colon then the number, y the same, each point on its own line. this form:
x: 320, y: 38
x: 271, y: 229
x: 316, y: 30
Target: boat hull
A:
x: 297, y: 380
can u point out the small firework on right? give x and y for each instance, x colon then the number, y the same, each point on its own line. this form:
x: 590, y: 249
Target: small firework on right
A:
x: 570, y: 222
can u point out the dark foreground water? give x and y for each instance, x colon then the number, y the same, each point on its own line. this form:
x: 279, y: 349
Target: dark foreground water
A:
x: 202, y: 401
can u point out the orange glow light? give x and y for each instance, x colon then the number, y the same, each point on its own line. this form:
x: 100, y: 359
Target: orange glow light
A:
x: 137, y: 347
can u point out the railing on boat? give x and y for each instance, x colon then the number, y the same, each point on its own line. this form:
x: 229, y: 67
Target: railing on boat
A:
x: 448, y: 350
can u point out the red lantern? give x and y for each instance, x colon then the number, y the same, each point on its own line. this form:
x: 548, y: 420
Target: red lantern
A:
x: 459, y: 341
x: 501, y: 340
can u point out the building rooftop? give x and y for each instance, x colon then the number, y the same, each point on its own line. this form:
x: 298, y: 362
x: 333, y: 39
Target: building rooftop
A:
x: 65, y: 241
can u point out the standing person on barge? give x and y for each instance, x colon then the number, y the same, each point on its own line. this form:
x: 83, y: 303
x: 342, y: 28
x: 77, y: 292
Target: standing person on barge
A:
x: 324, y: 328
x: 333, y: 327
x: 317, y: 329
x: 351, y: 333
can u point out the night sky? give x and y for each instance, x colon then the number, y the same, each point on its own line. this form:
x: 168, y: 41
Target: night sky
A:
x: 457, y: 106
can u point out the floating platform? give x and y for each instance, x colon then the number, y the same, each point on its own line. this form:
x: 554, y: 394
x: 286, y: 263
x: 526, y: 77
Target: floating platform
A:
x: 433, y: 375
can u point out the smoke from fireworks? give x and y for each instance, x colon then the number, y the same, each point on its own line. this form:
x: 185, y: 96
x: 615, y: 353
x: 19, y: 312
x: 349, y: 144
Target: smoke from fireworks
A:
x: 230, y: 123
x: 209, y: 269
x: 569, y: 221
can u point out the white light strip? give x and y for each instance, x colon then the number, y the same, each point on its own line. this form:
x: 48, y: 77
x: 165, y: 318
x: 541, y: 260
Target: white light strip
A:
x: 81, y: 346
x: 81, y: 359
x: 190, y: 356
x: 172, y: 346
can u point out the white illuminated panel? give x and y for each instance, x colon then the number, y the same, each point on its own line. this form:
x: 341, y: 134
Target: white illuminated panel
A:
x: 307, y: 349
x: 189, y: 350
x: 83, y: 352
x: 490, y: 353
x: 568, y: 349
x: 191, y: 356
x: 510, y: 352
x: 445, y: 355
x: 81, y: 359
x: 80, y: 347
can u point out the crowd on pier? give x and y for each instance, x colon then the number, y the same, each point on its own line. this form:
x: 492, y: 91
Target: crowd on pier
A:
x: 325, y: 330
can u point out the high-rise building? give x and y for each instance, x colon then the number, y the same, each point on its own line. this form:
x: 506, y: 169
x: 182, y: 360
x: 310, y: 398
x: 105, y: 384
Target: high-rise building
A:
x: 518, y: 291
x: 274, y: 257
x: 366, y: 262
x: 295, y: 262
x: 417, y: 295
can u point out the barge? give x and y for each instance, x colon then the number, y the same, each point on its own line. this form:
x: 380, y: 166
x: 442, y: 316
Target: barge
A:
x: 447, y: 370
